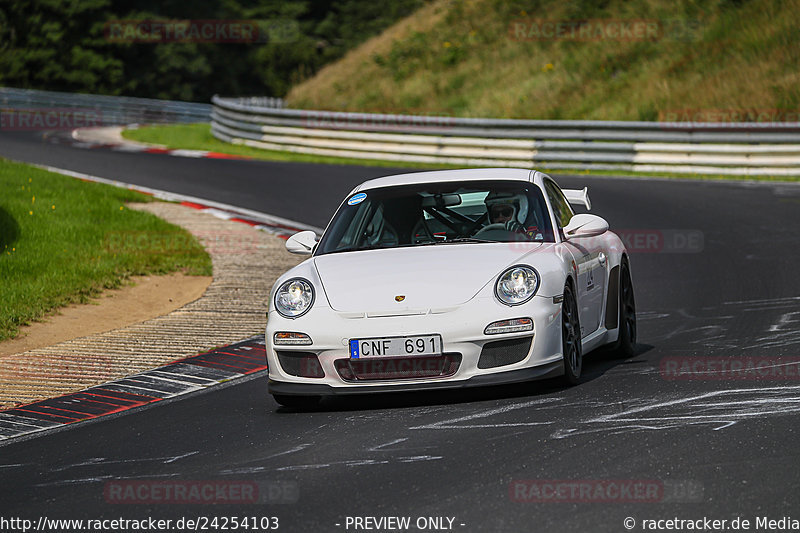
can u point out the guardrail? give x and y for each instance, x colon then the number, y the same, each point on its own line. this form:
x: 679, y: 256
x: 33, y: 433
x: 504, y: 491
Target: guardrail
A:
x: 107, y: 110
x: 675, y: 147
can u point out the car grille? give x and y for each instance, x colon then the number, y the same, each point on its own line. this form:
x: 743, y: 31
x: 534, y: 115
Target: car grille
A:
x: 505, y: 352
x: 387, y: 368
x: 300, y: 364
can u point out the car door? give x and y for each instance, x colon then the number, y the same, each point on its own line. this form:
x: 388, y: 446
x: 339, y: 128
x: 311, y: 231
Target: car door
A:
x: 594, y: 282
x: 590, y: 262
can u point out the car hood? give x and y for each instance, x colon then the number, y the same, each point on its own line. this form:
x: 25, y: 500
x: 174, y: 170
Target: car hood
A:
x: 429, y: 277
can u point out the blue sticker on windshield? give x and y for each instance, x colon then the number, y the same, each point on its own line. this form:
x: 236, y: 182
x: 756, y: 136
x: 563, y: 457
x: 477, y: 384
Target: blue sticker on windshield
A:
x: 357, y: 198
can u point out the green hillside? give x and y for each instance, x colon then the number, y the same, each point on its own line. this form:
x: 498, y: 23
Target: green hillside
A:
x: 497, y: 58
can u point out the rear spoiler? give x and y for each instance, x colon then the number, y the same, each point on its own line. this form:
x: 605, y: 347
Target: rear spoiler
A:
x: 578, y: 197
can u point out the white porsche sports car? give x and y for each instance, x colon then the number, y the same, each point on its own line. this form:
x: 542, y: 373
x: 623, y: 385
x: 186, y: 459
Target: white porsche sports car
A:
x: 448, y: 279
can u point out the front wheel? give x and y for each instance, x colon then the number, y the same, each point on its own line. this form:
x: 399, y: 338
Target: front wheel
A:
x: 571, y: 338
x: 300, y: 402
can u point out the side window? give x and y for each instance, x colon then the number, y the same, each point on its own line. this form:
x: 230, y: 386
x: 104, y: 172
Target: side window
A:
x: 560, y: 205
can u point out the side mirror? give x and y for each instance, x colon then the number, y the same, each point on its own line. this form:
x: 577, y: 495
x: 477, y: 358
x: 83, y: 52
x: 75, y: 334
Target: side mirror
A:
x: 585, y: 225
x: 302, y: 243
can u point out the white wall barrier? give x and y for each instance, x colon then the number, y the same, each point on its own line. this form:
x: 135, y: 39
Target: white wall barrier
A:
x: 675, y: 147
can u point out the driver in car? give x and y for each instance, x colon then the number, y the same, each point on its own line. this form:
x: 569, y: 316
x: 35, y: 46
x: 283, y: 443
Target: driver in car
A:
x: 508, y: 209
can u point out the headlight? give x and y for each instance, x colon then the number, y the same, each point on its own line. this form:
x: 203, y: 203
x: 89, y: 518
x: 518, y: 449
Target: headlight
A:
x: 294, y: 297
x: 517, y: 285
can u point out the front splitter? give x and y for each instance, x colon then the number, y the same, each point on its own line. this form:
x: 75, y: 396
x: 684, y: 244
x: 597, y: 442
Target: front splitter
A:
x: 549, y: 370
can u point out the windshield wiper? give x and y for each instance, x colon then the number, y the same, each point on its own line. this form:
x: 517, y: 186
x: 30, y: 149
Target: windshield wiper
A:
x: 458, y: 240
x: 360, y: 248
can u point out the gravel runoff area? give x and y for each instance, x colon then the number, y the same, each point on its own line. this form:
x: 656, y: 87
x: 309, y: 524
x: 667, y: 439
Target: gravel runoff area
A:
x: 108, y: 135
x: 246, y: 262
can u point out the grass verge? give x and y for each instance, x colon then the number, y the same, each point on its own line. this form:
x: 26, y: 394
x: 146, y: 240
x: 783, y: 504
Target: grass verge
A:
x: 198, y: 137
x: 63, y: 240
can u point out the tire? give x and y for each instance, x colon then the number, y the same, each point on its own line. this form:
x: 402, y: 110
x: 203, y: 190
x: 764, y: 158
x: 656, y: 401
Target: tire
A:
x: 299, y: 402
x: 626, y: 342
x: 571, y: 338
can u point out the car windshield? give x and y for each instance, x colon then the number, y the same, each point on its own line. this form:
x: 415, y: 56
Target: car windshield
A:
x: 438, y: 214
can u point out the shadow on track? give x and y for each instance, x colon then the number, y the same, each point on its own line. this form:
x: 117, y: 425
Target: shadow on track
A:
x: 595, y: 365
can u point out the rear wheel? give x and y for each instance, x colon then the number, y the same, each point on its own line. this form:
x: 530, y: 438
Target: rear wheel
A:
x: 626, y: 343
x: 301, y: 402
x: 571, y: 337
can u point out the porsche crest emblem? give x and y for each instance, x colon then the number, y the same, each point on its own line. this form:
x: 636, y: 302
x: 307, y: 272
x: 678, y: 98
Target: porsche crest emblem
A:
x: 399, y: 298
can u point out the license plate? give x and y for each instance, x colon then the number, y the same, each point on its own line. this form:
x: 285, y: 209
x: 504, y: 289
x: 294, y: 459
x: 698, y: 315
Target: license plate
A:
x: 396, y: 346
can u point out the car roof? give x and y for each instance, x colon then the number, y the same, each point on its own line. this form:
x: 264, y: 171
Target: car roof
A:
x: 439, y: 176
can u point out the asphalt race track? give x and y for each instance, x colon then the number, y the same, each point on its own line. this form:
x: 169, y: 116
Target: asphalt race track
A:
x: 716, y: 276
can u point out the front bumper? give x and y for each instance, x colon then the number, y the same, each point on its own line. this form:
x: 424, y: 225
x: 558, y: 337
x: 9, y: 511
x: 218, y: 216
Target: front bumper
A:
x: 462, y: 331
